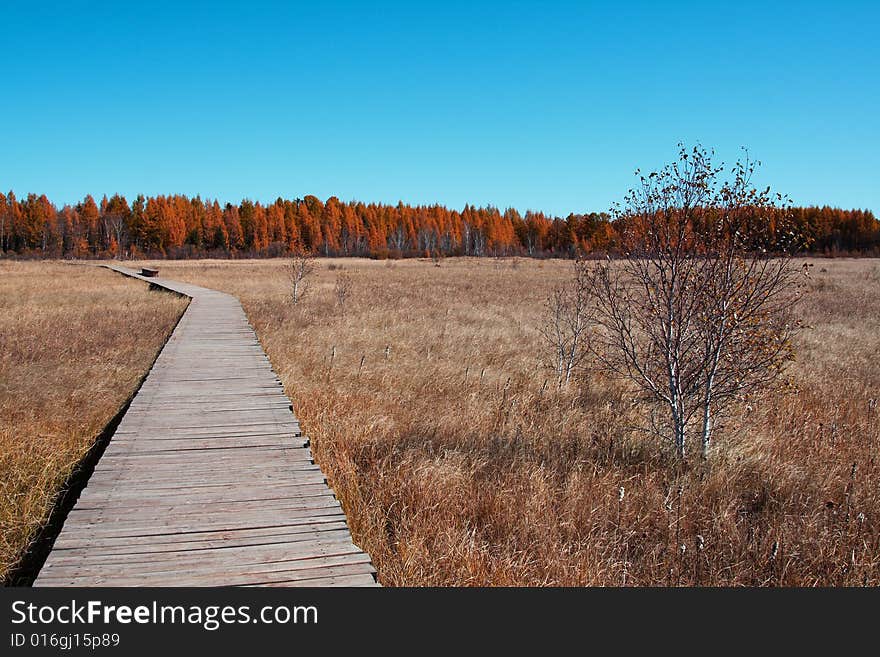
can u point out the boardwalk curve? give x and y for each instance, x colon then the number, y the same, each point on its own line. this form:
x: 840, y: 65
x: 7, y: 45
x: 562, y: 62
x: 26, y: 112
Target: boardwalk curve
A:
x: 207, y: 480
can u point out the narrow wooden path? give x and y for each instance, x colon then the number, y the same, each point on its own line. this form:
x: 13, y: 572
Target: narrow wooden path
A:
x: 207, y: 480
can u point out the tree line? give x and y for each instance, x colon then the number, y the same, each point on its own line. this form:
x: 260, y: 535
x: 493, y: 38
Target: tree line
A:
x: 177, y: 226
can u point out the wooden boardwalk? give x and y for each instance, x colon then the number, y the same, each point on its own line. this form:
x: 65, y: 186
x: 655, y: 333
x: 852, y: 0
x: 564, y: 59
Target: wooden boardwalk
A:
x: 207, y: 480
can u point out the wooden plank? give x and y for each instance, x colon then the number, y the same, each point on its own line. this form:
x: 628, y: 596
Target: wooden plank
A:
x: 164, y: 480
x: 206, y: 540
x: 89, y: 533
x: 186, y: 511
x: 315, y: 576
x: 271, y: 488
x: 202, y: 561
x: 203, y: 572
x: 121, y: 498
x: 207, y: 480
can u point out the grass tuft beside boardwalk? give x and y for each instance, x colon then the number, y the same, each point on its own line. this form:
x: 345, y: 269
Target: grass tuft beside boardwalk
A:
x: 74, y: 343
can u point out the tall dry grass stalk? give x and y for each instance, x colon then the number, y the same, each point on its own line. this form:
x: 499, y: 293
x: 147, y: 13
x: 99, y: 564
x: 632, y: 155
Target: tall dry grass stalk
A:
x: 74, y: 342
x: 459, y: 465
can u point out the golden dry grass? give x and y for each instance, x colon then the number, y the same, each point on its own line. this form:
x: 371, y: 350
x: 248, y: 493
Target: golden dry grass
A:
x: 456, y: 469
x: 74, y: 342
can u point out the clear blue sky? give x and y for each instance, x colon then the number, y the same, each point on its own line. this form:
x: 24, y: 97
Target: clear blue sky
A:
x: 504, y: 103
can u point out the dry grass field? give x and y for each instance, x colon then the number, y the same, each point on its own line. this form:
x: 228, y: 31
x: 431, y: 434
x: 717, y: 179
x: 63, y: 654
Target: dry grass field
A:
x: 74, y: 343
x: 426, y: 403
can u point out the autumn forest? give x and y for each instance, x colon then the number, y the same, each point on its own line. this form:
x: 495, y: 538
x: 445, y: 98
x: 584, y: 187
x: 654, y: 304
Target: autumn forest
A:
x: 177, y: 226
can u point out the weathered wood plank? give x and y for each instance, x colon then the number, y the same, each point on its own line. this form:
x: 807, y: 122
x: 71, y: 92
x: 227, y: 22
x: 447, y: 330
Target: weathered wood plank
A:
x: 88, y: 532
x: 203, y: 561
x: 203, y: 540
x: 316, y: 576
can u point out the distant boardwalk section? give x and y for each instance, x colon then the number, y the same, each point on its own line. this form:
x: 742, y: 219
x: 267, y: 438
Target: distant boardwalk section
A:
x: 206, y: 481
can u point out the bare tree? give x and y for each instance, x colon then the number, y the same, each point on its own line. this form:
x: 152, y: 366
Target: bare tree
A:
x: 299, y: 269
x: 342, y: 289
x: 698, y: 312
x: 568, y: 322
x: 114, y: 227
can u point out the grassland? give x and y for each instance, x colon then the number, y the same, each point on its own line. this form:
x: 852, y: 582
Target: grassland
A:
x: 426, y: 402
x: 427, y: 406
x: 74, y: 343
